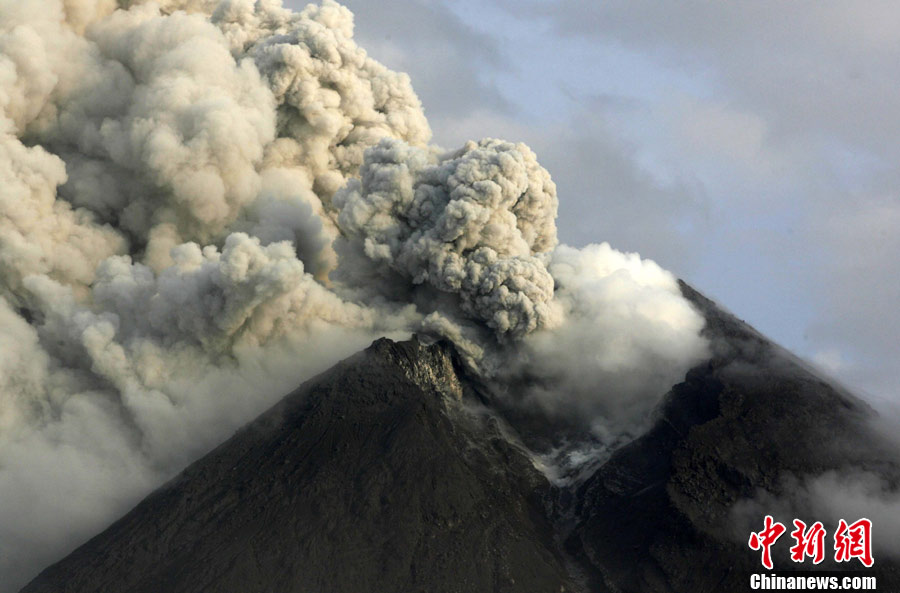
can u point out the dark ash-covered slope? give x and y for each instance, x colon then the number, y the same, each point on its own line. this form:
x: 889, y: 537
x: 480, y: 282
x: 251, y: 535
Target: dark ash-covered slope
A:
x: 368, y: 478
x: 752, y: 423
x: 374, y: 477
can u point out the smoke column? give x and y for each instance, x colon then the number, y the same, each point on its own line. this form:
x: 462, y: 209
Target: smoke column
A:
x: 204, y: 202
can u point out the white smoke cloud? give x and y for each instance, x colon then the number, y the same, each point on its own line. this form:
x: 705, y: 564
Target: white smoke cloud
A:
x: 848, y: 493
x: 203, y: 202
x: 627, y: 336
x: 852, y: 496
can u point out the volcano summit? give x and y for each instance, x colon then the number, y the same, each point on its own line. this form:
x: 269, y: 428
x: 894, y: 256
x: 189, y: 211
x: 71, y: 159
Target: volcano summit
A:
x: 396, y: 471
x: 205, y: 203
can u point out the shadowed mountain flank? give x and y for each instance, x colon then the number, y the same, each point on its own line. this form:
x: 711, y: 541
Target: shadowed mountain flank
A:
x: 398, y: 470
x: 371, y: 477
x: 663, y: 514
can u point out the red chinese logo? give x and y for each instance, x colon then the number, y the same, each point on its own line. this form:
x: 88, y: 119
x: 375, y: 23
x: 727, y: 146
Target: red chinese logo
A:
x: 766, y: 538
x: 850, y: 541
x: 810, y: 542
x: 854, y: 541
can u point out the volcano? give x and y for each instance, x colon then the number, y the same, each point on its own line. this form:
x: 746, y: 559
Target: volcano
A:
x: 398, y: 470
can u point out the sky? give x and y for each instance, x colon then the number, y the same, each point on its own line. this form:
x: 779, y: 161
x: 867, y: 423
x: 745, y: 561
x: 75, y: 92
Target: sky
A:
x: 750, y: 148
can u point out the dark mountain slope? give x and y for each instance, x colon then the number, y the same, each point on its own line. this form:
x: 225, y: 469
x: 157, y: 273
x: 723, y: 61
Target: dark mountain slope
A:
x: 659, y: 516
x: 374, y: 478
x: 365, y: 479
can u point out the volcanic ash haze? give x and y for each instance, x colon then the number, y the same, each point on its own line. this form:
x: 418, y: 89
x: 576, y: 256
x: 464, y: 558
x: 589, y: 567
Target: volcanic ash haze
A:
x: 204, y: 202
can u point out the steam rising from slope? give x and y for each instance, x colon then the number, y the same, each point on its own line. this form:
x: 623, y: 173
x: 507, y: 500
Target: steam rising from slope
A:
x: 204, y: 202
x: 625, y: 335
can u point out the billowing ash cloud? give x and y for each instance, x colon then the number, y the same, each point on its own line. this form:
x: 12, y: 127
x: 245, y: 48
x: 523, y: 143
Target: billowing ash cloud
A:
x: 477, y: 223
x: 204, y: 202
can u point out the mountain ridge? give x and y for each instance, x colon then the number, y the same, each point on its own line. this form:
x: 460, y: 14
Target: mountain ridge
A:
x: 393, y: 448
x: 737, y: 426
x: 399, y: 444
